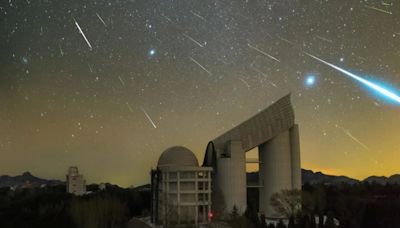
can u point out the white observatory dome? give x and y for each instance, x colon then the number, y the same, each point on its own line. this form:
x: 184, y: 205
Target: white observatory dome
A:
x: 177, y: 156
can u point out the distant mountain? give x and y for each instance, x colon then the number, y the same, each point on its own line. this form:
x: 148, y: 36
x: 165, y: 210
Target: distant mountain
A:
x: 308, y: 176
x: 25, y: 180
x: 394, y: 179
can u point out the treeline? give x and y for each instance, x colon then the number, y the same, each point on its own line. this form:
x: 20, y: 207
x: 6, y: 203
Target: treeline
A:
x: 364, y: 205
x: 52, y: 207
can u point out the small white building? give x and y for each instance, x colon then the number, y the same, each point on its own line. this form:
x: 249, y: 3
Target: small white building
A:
x: 75, y: 182
x: 181, y: 190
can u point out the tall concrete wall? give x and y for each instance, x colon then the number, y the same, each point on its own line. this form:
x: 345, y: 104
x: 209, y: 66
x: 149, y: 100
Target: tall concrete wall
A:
x: 295, y: 156
x: 275, y: 170
x: 231, y: 177
x: 274, y: 131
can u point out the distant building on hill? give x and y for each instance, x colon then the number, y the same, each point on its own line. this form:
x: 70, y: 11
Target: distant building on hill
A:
x: 75, y: 182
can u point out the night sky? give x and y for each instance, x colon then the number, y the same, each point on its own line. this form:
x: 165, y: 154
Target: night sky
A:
x: 146, y: 75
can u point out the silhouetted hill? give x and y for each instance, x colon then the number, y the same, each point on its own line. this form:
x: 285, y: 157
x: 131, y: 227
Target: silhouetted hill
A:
x: 308, y: 176
x: 394, y: 179
x: 311, y: 177
x: 26, y: 180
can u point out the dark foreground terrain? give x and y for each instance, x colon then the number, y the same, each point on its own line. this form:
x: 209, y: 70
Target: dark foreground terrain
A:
x: 354, y: 205
x: 51, y: 207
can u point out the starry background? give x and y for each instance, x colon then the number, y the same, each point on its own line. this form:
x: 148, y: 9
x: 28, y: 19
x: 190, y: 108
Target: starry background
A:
x: 175, y: 72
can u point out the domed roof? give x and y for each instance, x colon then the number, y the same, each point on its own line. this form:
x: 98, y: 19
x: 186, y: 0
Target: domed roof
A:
x: 177, y: 156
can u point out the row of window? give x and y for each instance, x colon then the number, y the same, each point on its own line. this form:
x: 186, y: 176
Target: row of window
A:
x: 188, y: 186
x: 188, y: 175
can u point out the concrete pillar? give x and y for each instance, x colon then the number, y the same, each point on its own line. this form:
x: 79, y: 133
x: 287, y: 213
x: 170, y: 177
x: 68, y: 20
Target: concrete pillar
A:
x: 196, y: 187
x: 178, y: 204
x: 295, y: 156
x: 231, y: 177
x: 275, y: 170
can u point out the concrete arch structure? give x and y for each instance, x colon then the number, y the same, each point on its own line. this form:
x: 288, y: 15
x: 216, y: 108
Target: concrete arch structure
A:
x: 276, y: 135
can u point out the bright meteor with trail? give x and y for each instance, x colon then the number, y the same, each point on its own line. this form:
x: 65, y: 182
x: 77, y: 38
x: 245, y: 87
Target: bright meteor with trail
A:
x: 381, y: 90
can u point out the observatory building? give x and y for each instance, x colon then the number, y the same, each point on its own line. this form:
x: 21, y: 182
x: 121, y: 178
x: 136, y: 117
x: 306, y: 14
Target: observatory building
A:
x: 276, y: 135
x: 181, y: 190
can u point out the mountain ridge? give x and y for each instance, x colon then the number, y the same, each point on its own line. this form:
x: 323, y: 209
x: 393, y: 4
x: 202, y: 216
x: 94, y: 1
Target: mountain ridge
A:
x: 316, y: 177
x: 26, y: 179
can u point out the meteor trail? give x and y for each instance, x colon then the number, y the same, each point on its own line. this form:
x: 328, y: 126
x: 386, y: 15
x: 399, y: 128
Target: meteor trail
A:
x: 197, y: 15
x: 83, y: 34
x: 391, y: 95
x: 148, y: 117
x: 129, y: 106
x: 286, y: 40
x: 244, y: 82
x: 122, y: 81
x: 324, y: 39
x: 273, y: 84
x: 378, y: 9
x: 264, y: 53
x: 61, y: 50
x: 348, y: 133
x: 194, y: 41
x: 201, y: 66
x: 90, y: 68
x: 101, y: 19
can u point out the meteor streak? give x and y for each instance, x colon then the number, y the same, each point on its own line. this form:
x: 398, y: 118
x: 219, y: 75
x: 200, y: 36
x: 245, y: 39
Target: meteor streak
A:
x: 244, y: 82
x: 197, y: 15
x: 324, y: 39
x: 201, y: 66
x: 101, y: 19
x: 286, y: 40
x: 348, y: 133
x: 378, y: 9
x: 122, y: 81
x: 264, y: 53
x: 193, y: 40
x: 129, y: 106
x: 148, y: 117
x: 61, y: 50
x: 385, y: 92
x: 83, y: 34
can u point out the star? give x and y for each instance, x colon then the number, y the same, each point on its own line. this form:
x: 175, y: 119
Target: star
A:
x: 152, y: 52
x: 24, y: 60
x: 310, y: 80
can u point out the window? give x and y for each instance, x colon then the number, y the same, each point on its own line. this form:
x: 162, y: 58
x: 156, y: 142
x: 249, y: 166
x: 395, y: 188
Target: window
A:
x: 188, y: 198
x: 172, y: 175
x: 187, y: 186
x: 187, y: 175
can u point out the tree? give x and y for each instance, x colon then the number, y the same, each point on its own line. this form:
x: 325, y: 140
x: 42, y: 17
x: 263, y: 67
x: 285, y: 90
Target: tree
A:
x: 235, y: 213
x: 330, y: 223
x: 287, y: 203
x: 291, y: 223
x: 313, y: 223
x: 263, y: 224
x: 281, y: 224
x: 98, y: 212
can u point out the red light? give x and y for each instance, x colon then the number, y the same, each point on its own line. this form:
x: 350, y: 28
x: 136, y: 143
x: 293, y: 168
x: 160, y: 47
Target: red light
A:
x: 210, y: 215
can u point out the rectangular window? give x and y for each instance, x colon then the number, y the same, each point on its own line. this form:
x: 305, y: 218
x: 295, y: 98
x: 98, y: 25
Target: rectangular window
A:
x: 187, y: 186
x: 187, y: 175
x: 172, y: 175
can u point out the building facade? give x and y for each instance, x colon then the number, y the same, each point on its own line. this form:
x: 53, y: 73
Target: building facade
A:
x: 181, y: 190
x: 75, y: 182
